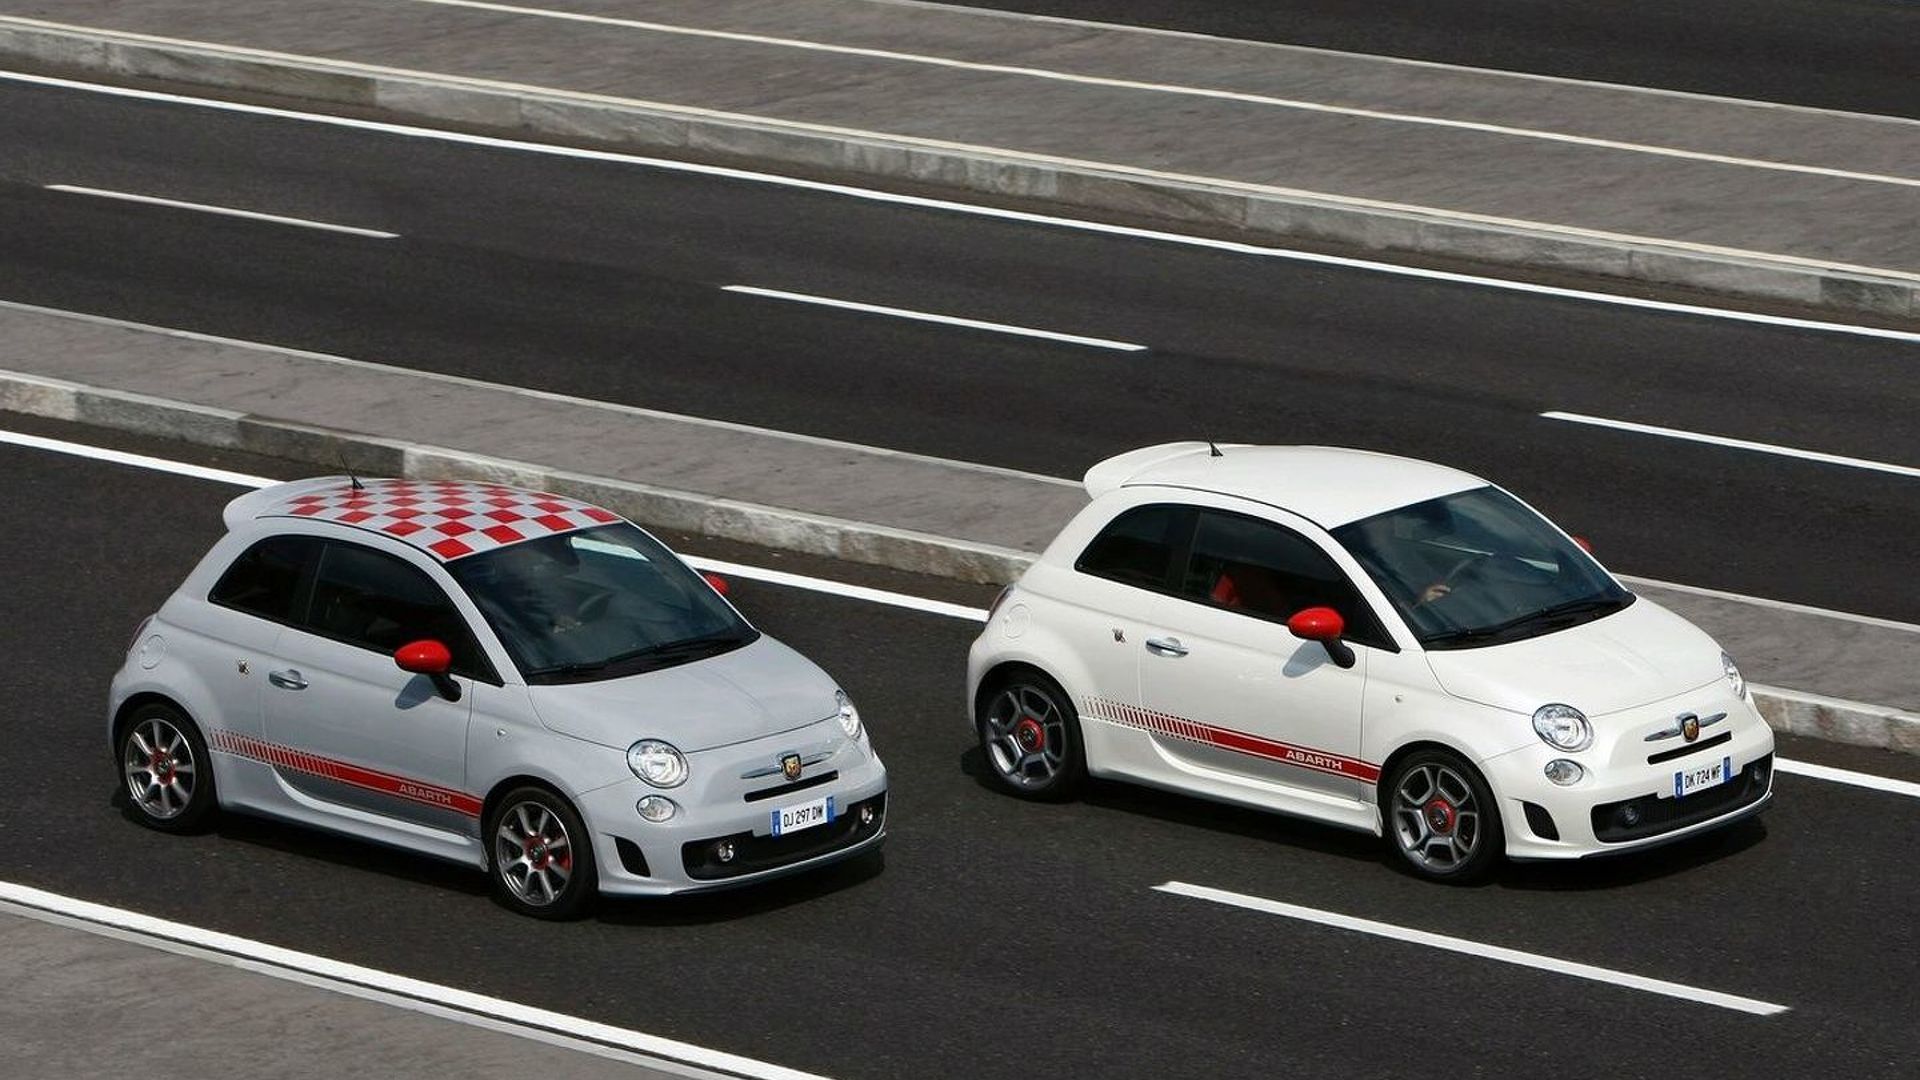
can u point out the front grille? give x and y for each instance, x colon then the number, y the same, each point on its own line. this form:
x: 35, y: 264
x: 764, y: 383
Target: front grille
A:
x: 801, y: 784
x: 1690, y: 748
x: 1651, y: 815
x: 752, y: 854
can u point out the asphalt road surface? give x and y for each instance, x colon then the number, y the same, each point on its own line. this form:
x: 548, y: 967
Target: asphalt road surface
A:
x: 606, y: 280
x: 998, y: 938
x: 1855, y: 55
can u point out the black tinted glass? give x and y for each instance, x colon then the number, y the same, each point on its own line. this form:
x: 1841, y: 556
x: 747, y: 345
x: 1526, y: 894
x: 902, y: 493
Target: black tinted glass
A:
x: 374, y: 600
x: 1271, y: 572
x: 265, y: 579
x: 1137, y: 547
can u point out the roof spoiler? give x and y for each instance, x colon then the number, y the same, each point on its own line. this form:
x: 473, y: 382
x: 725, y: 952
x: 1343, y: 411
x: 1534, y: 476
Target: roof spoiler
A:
x: 246, y: 507
x: 1114, y: 472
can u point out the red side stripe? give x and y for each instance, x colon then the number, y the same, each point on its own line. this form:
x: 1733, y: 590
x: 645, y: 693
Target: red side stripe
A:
x: 400, y: 787
x: 1239, y: 742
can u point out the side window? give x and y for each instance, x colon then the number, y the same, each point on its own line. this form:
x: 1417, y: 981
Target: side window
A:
x: 376, y: 601
x: 1271, y: 572
x: 266, y: 579
x: 1137, y: 548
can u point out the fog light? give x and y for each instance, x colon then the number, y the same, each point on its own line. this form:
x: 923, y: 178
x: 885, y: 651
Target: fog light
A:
x: 1629, y: 816
x: 866, y: 815
x: 656, y: 808
x: 1564, y: 772
x: 723, y: 851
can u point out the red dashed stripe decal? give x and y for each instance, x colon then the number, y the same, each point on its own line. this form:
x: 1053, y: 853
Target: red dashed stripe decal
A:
x: 1239, y: 742
x: 283, y: 757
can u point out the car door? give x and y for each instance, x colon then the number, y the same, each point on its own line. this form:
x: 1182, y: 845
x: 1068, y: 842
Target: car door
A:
x: 345, y: 724
x: 1226, y: 685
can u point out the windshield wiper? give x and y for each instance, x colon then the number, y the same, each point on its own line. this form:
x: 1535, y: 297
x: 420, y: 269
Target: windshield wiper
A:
x: 1547, y: 614
x: 691, y: 645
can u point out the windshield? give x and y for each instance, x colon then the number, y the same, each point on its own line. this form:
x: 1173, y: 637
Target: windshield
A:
x: 597, y: 604
x: 1479, y: 568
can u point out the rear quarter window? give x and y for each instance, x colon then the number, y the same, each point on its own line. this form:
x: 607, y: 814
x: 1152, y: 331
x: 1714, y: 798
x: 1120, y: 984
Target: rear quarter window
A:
x: 1138, y: 547
x: 267, y: 579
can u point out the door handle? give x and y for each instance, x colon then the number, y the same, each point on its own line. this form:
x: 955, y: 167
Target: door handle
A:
x: 1166, y: 646
x: 287, y: 680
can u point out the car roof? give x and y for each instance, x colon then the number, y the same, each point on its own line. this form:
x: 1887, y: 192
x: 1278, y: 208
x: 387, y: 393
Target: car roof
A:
x: 447, y: 519
x: 1330, y: 485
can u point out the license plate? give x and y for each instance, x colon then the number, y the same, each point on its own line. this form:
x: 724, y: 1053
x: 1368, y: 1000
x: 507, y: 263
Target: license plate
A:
x: 1702, y: 777
x: 804, y: 816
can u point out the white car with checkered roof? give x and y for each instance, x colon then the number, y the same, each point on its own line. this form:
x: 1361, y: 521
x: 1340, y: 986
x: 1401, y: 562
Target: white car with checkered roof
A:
x: 1371, y: 641
x: 512, y: 680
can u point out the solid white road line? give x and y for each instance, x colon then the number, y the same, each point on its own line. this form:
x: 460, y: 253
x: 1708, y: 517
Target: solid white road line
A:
x: 538, y: 395
x: 1737, y: 444
x: 758, y: 573
x: 223, y: 211
x: 923, y: 316
x: 1474, y: 948
x: 370, y: 983
x: 122, y: 457
x: 1177, y: 89
x: 944, y: 205
x: 1777, y: 605
x: 1848, y: 776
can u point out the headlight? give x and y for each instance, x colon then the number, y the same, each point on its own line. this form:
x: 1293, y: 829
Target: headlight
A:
x: 849, y: 716
x: 1562, y: 727
x: 657, y: 763
x: 1733, y: 675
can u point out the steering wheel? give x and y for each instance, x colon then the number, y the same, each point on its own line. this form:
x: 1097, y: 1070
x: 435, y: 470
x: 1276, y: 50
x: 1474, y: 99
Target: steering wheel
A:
x: 1443, y: 585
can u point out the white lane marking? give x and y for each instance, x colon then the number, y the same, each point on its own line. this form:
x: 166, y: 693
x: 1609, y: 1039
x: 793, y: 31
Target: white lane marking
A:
x: 1404, y: 61
x: 1847, y: 776
x: 969, y: 209
x: 433, y: 998
x: 223, y: 211
x: 1779, y: 605
x: 1736, y: 444
x: 924, y: 316
x: 838, y: 588
x: 537, y: 395
x: 1473, y: 948
x: 768, y: 575
x: 1180, y: 90
x: 122, y: 457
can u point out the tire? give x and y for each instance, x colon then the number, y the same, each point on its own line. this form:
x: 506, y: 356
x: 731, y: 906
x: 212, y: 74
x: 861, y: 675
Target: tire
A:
x: 165, y: 769
x: 1030, y: 734
x: 1441, y: 817
x: 539, y: 856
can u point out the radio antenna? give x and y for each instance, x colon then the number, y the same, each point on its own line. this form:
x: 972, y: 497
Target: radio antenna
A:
x: 352, y: 480
x: 1212, y: 450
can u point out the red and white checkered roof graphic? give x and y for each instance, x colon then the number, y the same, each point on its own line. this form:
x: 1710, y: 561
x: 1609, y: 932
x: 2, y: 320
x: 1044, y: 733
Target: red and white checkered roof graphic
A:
x: 449, y: 519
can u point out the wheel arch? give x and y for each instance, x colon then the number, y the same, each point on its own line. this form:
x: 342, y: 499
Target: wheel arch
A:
x: 993, y: 677
x: 1414, y: 746
x: 519, y: 780
x: 142, y: 699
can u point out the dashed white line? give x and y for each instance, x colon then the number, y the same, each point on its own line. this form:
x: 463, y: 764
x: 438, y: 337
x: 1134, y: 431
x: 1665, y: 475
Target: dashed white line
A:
x: 223, y: 211
x: 1736, y: 444
x: 433, y: 999
x: 1474, y: 948
x: 925, y: 316
x: 1176, y: 89
x: 943, y: 205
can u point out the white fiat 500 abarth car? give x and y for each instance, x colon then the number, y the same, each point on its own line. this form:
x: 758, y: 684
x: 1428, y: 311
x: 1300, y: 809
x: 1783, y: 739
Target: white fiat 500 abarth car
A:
x: 1366, y: 640
x: 512, y: 680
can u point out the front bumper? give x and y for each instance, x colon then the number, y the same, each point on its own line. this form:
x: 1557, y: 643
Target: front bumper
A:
x: 1625, y: 802
x: 636, y: 857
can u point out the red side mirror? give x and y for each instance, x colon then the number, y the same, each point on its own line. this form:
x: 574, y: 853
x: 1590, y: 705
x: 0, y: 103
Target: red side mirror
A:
x: 427, y: 657
x: 1584, y: 544
x: 719, y: 583
x: 1317, y: 624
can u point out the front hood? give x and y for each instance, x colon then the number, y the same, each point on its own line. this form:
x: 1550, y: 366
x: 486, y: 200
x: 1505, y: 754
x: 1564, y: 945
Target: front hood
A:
x: 762, y: 689
x: 1640, y: 654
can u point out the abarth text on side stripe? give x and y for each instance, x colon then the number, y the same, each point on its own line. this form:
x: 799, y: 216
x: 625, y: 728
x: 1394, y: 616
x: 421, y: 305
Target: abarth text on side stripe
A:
x: 512, y: 680
x: 1375, y: 642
